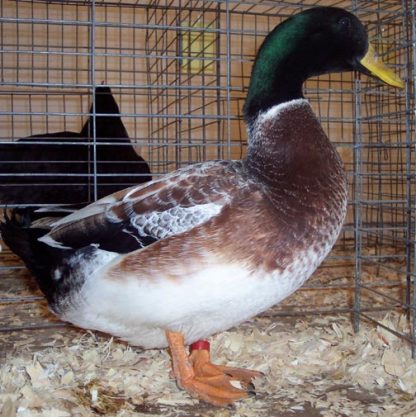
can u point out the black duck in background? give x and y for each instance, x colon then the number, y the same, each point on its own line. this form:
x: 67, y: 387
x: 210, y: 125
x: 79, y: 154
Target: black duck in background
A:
x: 61, y: 172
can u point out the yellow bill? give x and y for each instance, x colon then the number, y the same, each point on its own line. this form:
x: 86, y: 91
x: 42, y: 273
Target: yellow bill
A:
x: 377, y: 67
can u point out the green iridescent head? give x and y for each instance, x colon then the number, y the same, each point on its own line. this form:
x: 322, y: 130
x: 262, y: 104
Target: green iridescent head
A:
x: 313, y: 42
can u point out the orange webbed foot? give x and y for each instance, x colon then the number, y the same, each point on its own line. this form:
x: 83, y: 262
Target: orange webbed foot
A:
x: 202, y: 379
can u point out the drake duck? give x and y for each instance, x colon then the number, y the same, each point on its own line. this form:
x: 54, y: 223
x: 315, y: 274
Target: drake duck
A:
x: 57, y: 170
x: 206, y: 247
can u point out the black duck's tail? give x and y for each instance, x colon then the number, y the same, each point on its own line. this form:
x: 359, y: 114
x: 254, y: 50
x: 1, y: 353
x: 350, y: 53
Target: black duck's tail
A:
x: 39, y: 258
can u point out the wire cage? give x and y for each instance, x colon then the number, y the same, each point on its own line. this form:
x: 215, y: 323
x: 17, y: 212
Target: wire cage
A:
x: 179, y: 71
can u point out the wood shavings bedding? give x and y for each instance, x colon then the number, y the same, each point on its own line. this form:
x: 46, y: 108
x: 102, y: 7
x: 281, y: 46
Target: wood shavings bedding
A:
x: 313, y: 367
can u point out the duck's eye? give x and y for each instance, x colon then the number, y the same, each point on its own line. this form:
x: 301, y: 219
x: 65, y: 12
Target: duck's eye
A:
x: 344, y: 23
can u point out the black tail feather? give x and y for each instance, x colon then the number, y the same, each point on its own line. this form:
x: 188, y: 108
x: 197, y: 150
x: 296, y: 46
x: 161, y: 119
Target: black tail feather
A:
x: 39, y: 258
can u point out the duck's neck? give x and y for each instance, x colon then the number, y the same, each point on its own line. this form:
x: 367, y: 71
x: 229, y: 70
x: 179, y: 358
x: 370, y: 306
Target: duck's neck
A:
x: 108, y: 129
x: 270, y: 88
x: 279, y: 70
x: 269, y: 92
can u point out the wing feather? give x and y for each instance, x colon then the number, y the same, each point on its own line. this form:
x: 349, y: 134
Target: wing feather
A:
x: 141, y: 215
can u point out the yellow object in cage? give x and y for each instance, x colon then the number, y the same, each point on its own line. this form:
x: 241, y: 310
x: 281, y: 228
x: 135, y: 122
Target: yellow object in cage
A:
x: 198, y: 46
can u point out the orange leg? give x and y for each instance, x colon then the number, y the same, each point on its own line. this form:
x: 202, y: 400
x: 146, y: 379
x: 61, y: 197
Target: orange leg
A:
x: 204, y: 380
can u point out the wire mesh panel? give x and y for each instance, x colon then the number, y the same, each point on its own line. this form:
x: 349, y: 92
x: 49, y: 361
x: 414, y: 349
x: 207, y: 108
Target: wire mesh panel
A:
x: 178, y: 71
x: 385, y: 173
x: 185, y: 47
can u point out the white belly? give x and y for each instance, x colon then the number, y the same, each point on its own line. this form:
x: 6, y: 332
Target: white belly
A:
x: 213, y: 300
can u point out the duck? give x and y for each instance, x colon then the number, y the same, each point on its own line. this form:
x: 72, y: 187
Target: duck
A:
x: 53, y: 168
x: 169, y: 263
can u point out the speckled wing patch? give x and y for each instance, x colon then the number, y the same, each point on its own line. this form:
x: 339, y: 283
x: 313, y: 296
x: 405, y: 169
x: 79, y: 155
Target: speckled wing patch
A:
x: 185, y: 200
x: 174, y: 220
